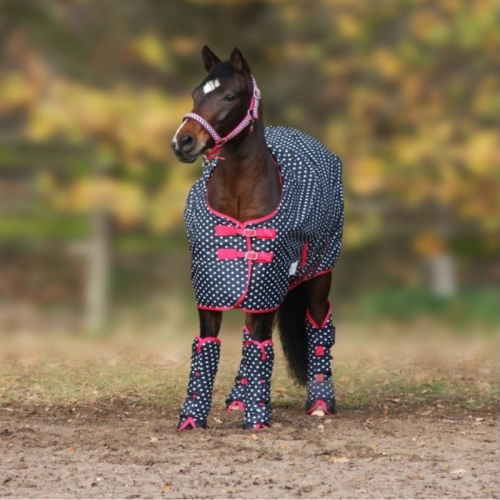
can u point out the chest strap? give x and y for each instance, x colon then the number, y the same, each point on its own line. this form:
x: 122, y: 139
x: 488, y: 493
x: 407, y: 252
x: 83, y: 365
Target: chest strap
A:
x: 264, y: 233
x: 233, y: 253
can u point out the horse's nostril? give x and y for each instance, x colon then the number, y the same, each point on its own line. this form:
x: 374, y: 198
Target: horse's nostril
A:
x: 186, y: 142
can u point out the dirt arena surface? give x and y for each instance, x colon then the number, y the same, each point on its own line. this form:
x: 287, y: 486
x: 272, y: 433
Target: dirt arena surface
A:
x: 108, y: 451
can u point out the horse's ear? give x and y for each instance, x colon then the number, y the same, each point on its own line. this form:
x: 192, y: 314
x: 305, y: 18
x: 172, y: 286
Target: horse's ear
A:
x: 209, y: 58
x: 238, y: 61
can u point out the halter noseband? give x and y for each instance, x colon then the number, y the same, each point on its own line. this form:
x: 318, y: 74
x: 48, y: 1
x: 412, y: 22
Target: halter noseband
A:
x: 252, y: 114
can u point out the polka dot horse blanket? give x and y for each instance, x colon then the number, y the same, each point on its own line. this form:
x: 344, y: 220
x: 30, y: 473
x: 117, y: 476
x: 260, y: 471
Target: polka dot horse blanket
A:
x: 252, y: 265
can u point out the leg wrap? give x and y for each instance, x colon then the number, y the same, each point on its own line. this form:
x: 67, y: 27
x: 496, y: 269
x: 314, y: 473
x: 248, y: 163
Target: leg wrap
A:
x: 259, y: 360
x: 320, y: 339
x: 237, y: 394
x: 204, y: 362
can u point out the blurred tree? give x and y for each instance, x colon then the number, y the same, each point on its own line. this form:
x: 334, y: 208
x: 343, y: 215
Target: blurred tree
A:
x: 403, y: 91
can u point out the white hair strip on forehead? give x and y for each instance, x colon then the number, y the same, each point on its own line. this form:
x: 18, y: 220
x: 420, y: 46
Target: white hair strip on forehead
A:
x: 209, y: 86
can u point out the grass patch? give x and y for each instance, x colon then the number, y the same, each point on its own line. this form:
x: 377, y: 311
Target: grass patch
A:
x: 467, y: 307
x: 372, y: 368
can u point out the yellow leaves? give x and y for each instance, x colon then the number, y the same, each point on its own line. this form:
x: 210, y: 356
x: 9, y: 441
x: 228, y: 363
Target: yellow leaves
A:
x: 366, y: 176
x: 360, y: 232
x: 168, y: 205
x: 482, y: 152
x: 150, y: 49
x: 428, y: 244
x: 387, y: 63
x: 125, y: 200
x: 349, y: 26
x: 16, y: 90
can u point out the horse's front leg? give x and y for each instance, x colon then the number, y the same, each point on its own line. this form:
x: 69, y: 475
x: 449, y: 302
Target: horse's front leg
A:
x: 256, y: 369
x: 204, y: 362
x: 320, y: 339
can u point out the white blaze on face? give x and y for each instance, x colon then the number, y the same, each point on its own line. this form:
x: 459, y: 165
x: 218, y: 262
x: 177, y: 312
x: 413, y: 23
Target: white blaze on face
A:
x: 174, y: 140
x: 209, y: 86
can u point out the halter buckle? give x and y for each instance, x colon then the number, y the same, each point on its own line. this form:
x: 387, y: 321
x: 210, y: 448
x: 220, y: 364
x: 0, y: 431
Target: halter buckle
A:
x: 251, y: 255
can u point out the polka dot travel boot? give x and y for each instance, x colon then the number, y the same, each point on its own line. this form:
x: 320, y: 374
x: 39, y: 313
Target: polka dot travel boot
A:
x: 259, y: 360
x: 320, y: 339
x: 204, y: 362
x: 235, y: 399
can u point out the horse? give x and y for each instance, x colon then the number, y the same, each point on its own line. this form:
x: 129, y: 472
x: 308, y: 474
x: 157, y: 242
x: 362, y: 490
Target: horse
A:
x: 264, y: 224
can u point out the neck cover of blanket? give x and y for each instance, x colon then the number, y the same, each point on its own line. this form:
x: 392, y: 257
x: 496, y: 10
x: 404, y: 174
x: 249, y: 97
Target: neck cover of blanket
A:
x: 252, y: 265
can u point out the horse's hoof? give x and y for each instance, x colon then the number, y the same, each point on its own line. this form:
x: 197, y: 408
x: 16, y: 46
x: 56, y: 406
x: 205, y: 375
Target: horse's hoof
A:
x: 319, y: 412
x: 235, y: 405
x: 320, y: 408
x: 255, y: 427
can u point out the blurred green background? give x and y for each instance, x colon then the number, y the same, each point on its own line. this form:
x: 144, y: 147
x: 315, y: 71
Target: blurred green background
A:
x: 91, y: 197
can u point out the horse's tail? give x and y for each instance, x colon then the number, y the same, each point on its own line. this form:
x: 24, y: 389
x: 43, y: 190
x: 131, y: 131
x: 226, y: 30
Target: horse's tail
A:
x: 292, y: 328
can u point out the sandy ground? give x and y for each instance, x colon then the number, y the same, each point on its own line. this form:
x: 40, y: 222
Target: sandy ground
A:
x: 105, y: 451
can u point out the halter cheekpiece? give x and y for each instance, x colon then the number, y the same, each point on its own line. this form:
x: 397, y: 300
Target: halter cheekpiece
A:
x: 250, y: 117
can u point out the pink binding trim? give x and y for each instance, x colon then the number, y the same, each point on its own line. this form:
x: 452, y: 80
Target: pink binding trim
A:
x: 237, y: 404
x: 264, y: 233
x: 233, y: 253
x: 303, y: 255
x: 252, y: 114
x: 319, y: 403
x: 260, y: 345
x: 189, y: 421
x: 325, y: 320
x: 204, y: 341
x: 261, y: 426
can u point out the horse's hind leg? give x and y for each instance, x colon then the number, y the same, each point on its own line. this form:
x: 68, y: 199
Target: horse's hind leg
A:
x: 253, y: 383
x: 204, y: 362
x: 320, y: 339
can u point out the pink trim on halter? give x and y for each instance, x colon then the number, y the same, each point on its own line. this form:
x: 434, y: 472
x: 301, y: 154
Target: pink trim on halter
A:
x: 252, y: 114
x: 264, y: 233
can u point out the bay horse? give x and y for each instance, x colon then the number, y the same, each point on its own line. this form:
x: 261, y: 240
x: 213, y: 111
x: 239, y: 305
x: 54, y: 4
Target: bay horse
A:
x: 264, y: 226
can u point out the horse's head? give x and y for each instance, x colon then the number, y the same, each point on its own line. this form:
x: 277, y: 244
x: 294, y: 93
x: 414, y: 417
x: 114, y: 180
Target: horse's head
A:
x: 222, y: 101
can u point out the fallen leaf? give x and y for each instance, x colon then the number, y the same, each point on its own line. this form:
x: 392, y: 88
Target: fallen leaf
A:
x: 154, y: 439
x: 253, y: 437
x: 385, y: 411
x: 338, y: 460
x: 284, y: 446
x: 166, y: 488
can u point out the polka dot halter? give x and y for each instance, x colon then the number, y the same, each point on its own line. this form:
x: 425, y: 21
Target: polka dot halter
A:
x: 252, y: 265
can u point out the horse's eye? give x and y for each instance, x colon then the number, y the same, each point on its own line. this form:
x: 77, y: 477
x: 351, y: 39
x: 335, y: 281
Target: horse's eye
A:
x: 229, y: 97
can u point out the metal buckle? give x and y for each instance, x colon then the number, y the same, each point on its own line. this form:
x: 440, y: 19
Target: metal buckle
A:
x: 250, y: 233
x: 251, y: 255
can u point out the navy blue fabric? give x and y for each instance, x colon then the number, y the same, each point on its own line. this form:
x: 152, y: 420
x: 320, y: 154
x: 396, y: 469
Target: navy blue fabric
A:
x: 204, y: 363
x: 258, y: 367
x: 240, y: 383
x: 310, y: 212
x: 319, y: 369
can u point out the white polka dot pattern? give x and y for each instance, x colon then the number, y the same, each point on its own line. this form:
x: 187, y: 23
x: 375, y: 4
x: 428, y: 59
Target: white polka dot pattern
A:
x: 320, y: 390
x: 204, y: 362
x: 258, y: 367
x: 310, y: 215
x: 237, y: 394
